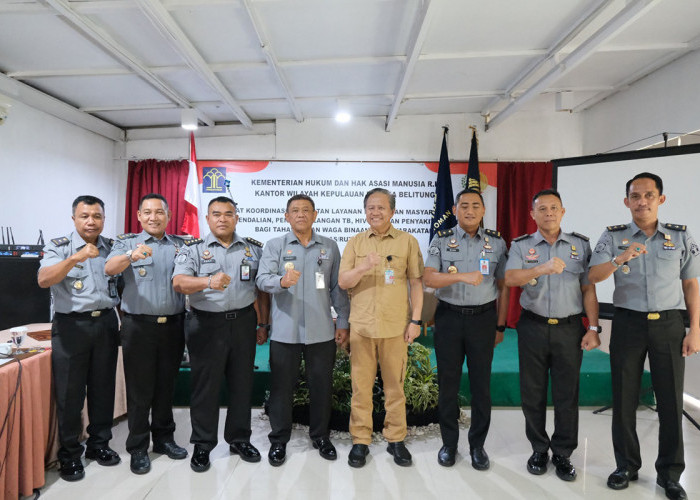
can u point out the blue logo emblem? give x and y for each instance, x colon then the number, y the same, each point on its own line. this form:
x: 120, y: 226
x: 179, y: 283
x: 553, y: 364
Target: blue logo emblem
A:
x: 213, y: 180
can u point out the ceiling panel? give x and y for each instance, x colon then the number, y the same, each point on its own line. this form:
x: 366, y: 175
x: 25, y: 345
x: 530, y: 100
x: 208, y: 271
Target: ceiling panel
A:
x: 467, y: 55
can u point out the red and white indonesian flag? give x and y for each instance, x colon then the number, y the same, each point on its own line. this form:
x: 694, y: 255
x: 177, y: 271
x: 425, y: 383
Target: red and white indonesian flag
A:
x: 190, y: 224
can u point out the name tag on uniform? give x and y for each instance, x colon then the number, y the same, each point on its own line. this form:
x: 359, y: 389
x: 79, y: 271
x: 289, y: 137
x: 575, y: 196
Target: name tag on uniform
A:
x: 320, y: 281
x: 389, y: 277
x: 245, y: 272
x: 484, y: 266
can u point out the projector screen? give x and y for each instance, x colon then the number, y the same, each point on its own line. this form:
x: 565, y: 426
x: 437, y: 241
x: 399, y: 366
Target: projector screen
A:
x: 593, y: 189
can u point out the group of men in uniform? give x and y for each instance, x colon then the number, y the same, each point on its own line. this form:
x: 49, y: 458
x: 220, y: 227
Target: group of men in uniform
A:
x: 240, y: 294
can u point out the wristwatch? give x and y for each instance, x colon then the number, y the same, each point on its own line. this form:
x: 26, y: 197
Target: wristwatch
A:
x: 612, y: 261
x: 264, y: 325
x: 501, y: 328
x: 597, y: 329
x: 128, y: 254
x: 417, y: 322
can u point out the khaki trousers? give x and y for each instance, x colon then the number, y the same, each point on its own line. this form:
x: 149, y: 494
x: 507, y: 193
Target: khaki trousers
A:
x: 392, y: 355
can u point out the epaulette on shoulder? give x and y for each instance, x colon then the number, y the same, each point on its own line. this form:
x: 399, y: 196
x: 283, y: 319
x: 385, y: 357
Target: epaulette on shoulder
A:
x: 59, y: 242
x: 675, y: 227
x: 444, y: 233
x: 126, y: 236
x: 493, y: 233
x: 253, y: 241
x: 579, y: 235
x: 520, y: 238
x: 619, y: 227
x: 192, y: 241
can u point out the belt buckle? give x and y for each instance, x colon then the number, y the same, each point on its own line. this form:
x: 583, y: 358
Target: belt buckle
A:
x: 162, y: 319
x: 231, y: 315
x: 95, y: 314
x: 552, y: 321
x: 653, y: 316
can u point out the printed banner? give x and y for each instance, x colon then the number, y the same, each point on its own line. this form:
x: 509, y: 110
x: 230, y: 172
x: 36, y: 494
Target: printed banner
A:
x: 261, y: 190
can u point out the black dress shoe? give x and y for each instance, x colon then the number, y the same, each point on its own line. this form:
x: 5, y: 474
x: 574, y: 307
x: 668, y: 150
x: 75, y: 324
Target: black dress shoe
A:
x: 140, y: 463
x: 104, y: 455
x: 565, y: 471
x: 537, y: 463
x: 402, y: 456
x: 72, y: 469
x: 277, y: 454
x: 325, y: 448
x: 247, y: 451
x: 171, y: 449
x: 200, y: 459
x: 480, y: 459
x: 358, y: 455
x: 620, y: 478
x: 673, y: 489
x: 446, y: 456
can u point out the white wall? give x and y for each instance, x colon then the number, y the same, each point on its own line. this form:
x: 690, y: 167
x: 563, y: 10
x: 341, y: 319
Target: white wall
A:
x: 44, y: 164
x: 665, y: 101
x: 531, y: 137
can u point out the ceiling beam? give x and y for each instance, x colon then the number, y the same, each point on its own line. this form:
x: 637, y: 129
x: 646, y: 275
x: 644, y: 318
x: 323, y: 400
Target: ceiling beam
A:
x: 43, y: 102
x: 564, y: 38
x: 638, y: 75
x: 176, y: 38
x: 271, y: 58
x: 116, y: 50
x: 630, y: 12
x: 418, y: 35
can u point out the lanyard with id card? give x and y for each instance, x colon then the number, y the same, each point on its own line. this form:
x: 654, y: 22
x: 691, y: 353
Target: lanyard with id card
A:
x: 484, y: 264
x: 245, y: 270
x: 388, y: 272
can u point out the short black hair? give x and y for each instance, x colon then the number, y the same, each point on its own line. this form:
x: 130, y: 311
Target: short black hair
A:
x: 154, y: 196
x: 301, y: 196
x: 545, y: 192
x: 645, y: 175
x: 222, y: 199
x: 392, y: 196
x: 469, y: 191
x: 88, y: 200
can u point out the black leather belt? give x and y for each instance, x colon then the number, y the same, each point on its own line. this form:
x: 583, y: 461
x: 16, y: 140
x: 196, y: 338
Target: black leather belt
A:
x: 150, y: 318
x: 469, y: 310
x: 87, y: 314
x: 651, y: 316
x: 551, y: 321
x: 233, y: 314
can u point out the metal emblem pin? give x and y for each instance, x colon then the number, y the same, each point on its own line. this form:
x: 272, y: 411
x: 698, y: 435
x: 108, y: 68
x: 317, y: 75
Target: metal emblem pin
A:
x: 289, y: 266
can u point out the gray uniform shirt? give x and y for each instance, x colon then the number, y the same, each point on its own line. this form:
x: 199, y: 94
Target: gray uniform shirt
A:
x: 208, y: 257
x: 86, y: 287
x: 653, y: 283
x: 465, y: 253
x: 301, y: 314
x: 148, y: 287
x: 554, y: 295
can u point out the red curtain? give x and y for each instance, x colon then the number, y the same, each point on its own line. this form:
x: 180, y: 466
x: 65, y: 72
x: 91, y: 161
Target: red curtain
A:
x: 167, y: 178
x: 517, y: 183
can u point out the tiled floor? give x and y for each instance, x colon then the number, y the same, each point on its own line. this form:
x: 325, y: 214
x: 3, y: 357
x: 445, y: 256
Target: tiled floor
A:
x: 306, y: 475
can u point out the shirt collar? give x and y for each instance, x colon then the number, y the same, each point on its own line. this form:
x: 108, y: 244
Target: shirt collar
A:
x: 78, y: 242
x: 393, y: 232
x: 210, y: 240
x: 539, y: 238
x: 636, y: 230
x: 461, y: 233
x: 290, y: 237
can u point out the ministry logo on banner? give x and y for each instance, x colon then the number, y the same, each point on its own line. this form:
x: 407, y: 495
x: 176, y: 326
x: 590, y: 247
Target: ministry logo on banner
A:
x: 213, y: 180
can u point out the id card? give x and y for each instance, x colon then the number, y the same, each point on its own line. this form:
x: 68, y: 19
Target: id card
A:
x: 320, y: 281
x: 484, y: 266
x: 245, y: 272
x: 389, y: 277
